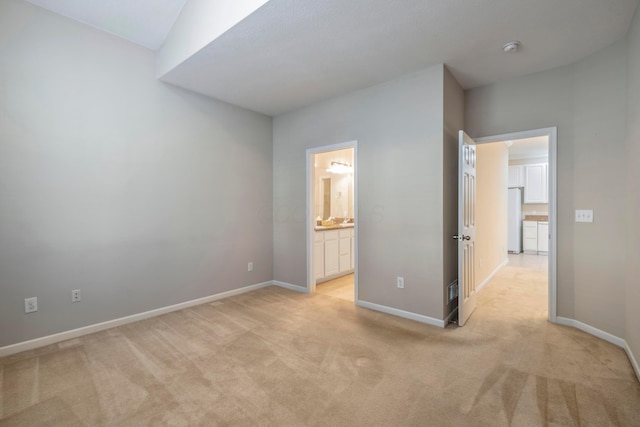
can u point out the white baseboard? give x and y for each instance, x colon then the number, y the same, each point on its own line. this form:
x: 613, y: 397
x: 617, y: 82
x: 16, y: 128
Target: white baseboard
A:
x: 451, y: 315
x: 604, y: 336
x: 591, y: 330
x: 493, y: 273
x: 291, y: 287
x: 86, y: 330
x: 632, y: 359
x: 401, y: 313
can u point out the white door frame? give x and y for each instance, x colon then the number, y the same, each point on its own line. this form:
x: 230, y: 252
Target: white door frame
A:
x: 310, y: 217
x: 552, y: 133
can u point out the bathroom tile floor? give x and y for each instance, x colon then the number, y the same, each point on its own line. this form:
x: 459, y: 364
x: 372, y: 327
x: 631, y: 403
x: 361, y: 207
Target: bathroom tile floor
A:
x: 342, y: 287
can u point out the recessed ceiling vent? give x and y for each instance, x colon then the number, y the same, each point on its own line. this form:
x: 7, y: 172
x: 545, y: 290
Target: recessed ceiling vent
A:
x: 511, y: 47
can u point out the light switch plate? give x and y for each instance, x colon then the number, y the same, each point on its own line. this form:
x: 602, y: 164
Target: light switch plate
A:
x: 584, y: 215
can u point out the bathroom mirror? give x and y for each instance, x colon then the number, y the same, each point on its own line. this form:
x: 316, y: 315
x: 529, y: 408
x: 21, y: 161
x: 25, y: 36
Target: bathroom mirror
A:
x: 325, y: 185
x: 334, y: 184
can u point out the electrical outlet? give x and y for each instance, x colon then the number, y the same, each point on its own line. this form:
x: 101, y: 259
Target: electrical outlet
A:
x: 400, y: 282
x: 250, y: 266
x: 75, y: 295
x: 30, y: 305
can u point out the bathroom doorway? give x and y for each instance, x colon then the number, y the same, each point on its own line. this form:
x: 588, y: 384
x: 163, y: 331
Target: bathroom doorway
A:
x: 332, y: 220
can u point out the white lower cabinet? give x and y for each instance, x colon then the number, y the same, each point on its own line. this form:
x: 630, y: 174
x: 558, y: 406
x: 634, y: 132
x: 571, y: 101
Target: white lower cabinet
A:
x: 535, y: 237
x: 344, y: 250
x: 530, y: 237
x: 333, y: 253
x: 543, y: 237
x: 318, y: 255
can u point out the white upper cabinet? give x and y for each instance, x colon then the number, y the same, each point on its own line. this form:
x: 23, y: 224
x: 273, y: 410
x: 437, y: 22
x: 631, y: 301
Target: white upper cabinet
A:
x: 516, y: 176
x: 536, y: 183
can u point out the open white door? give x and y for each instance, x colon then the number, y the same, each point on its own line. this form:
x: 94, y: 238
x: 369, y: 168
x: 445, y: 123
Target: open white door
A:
x: 466, y: 228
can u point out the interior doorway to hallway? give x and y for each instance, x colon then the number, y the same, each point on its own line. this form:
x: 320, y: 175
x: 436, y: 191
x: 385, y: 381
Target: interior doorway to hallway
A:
x: 332, y: 220
x: 524, y: 165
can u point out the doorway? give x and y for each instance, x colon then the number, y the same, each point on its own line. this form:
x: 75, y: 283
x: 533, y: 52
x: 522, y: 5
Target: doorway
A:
x: 539, y: 199
x: 332, y: 219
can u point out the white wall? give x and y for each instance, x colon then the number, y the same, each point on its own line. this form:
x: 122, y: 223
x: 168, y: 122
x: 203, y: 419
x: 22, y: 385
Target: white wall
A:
x: 492, y: 208
x: 139, y: 194
x: 632, y: 296
x: 399, y: 129
x: 587, y: 102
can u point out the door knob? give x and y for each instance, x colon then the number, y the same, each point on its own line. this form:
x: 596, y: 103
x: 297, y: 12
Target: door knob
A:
x: 461, y: 237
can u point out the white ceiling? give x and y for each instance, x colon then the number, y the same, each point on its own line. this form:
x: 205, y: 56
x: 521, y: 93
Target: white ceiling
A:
x: 529, y: 148
x: 145, y: 22
x: 290, y: 53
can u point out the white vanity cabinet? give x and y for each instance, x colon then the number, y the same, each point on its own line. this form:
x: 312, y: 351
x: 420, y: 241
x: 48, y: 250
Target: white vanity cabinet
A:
x: 536, y: 183
x: 318, y: 255
x: 333, y: 253
x: 344, y: 250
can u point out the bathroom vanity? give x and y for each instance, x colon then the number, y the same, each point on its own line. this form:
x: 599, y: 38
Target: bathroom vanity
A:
x: 334, y: 251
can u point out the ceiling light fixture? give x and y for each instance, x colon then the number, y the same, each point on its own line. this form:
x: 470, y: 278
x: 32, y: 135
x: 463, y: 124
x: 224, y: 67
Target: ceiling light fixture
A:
x: 340, y: 168
x: 511, y: 47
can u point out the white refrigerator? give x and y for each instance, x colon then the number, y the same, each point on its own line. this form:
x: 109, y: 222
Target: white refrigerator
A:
x: 515, y: 220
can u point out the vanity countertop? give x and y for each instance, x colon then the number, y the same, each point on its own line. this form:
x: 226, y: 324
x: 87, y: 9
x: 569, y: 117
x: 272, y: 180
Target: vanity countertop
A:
x: 539, y: 218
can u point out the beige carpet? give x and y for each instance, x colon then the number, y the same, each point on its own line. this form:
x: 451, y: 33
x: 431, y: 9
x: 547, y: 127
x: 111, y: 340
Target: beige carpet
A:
x: 276, y: 357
